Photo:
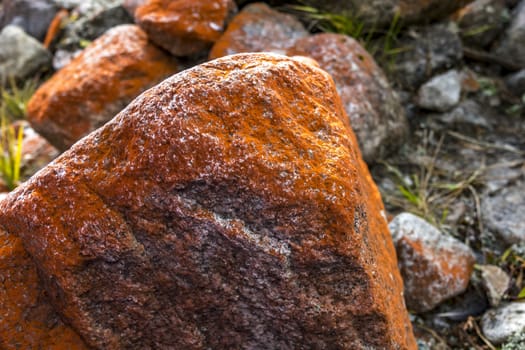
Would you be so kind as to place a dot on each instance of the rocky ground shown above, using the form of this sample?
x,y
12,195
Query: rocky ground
x,y
435,94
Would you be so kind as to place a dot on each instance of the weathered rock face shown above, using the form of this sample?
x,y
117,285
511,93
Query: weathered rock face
x,y
259,28
374,110
513,43
441,93
435,267
97,84
20,55
28,321
183,27
228,207
503,212
499,324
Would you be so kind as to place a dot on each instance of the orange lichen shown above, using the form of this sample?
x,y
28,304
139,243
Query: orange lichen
x,y
27,319
97,84
184,27
229,205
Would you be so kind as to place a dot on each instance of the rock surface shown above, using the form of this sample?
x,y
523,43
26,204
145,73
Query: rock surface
x,y
501,323
228,207
28,320
516,83
441,93
428,51
374,109
495,281
513,44
93,22
97,84
33,16
503,212
259,28
184,27
435,267
467,112
481,21
20,55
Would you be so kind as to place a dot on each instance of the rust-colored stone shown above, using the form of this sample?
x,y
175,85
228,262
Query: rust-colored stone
x,y
435,267
27,320
226,208
259,28
184,27
97,84
375,112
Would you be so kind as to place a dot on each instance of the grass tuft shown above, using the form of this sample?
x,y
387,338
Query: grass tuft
x,y
11,139
383,45
15,98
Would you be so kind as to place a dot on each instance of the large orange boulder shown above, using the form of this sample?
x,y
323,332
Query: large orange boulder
x,y
374,109
97,84
259,28
27,319
228,207
183,27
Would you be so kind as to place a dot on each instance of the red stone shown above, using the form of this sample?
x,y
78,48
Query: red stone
x,y
259,28
375,112
184,27
28,321
228,207
97,84
435,267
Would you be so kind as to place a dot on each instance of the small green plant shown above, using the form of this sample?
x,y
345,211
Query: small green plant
x,y
428,193
513,261
15,98
383,45
10,150
330,22
473,31
488,87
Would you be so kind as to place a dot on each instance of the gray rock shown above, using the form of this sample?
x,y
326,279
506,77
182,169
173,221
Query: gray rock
x,y
434,266
516,82
441,93
500,324
63,57
467,112
495,282
428,51
503,212
21,54
513,44
33,16
498,176
96,17
481,21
